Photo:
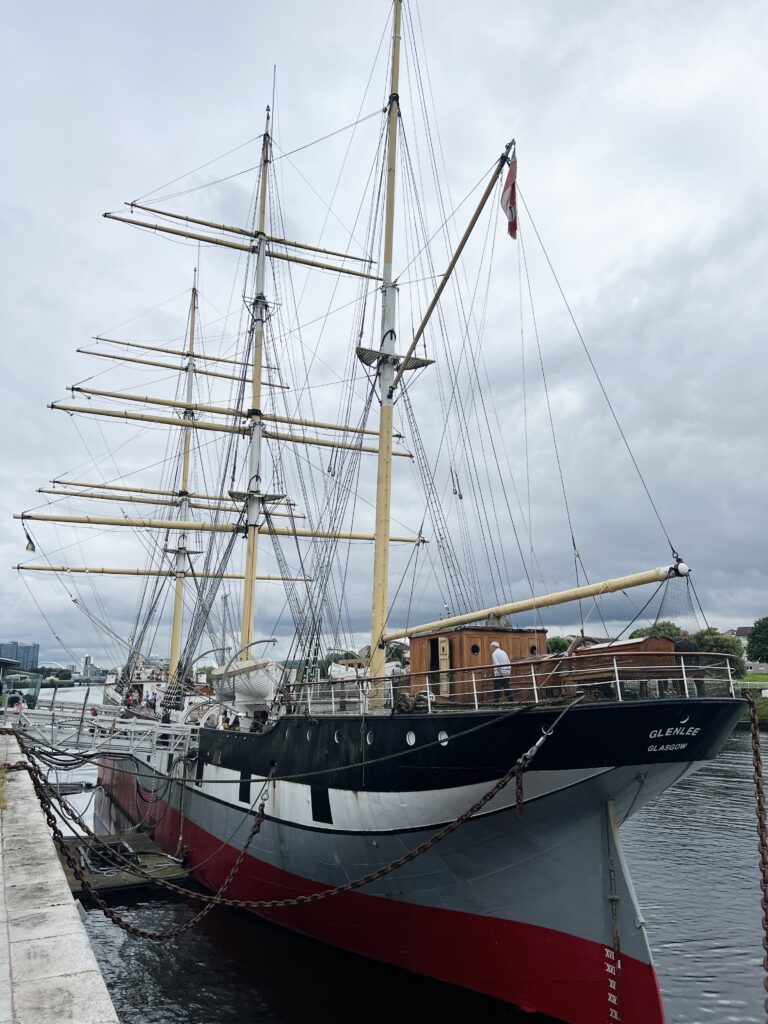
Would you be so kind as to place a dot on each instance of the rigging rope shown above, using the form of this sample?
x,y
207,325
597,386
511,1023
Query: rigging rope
x,y
454,575
598,378
576,556
245,170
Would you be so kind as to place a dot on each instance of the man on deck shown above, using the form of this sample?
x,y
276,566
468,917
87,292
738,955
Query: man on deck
x,y
685,643
684,646
501,666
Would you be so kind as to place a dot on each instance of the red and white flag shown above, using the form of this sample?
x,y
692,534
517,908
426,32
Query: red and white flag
x,y
509,197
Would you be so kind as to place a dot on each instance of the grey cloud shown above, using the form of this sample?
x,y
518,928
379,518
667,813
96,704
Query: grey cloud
x,y
641,155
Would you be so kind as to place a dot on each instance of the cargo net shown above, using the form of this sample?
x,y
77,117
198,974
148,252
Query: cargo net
x,y
677,609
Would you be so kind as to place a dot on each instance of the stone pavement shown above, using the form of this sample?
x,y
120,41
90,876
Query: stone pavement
x,y
48,973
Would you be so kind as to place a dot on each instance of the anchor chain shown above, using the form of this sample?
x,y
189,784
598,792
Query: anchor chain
x,y
762,828
44,790
218,899
41,784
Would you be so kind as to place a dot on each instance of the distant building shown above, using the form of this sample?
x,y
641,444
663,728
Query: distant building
x,y
26,654
7,667
742,634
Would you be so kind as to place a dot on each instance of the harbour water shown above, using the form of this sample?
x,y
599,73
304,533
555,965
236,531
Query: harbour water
x,y
692,854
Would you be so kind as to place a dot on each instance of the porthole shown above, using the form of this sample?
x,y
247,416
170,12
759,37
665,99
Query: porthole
x,y
475,648
337,736
410,738
369,738
309,735
443,737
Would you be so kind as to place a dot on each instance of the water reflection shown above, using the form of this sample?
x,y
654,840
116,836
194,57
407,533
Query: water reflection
x,y
694,860
236,968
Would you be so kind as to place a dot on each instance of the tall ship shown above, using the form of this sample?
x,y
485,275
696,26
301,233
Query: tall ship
x,y
383,756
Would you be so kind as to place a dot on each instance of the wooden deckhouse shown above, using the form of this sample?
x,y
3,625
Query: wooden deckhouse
x,y
457,661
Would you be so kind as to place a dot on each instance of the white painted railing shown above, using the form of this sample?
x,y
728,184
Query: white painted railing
x,y
603,676
600,677
76,728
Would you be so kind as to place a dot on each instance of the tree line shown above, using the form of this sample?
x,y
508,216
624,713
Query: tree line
x,y
757,645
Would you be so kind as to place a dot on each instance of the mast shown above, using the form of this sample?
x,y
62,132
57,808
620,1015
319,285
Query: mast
x,y
224,654
180,553
386,379
254,413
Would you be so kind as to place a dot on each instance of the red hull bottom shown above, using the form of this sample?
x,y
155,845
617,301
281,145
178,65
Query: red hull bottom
x,y
540,970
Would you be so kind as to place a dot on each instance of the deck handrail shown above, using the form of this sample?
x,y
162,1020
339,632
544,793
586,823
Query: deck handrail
x,y
107,730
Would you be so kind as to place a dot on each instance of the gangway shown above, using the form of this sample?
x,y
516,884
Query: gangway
x,y
75,728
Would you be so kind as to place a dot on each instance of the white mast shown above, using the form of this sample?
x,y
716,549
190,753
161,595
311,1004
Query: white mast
x,y
180,553
223,656
254,413
386,370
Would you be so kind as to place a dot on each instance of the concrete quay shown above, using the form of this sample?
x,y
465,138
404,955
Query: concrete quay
x,y
48,973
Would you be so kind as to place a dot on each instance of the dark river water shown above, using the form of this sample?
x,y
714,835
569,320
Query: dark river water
x,y
693,857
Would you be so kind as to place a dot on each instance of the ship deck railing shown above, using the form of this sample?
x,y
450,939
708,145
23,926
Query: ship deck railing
x,y
605,676
600,677
67,726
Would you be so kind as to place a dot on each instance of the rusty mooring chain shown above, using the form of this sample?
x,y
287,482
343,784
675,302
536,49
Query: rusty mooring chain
x,y
45,792
218,899
762,828
42,789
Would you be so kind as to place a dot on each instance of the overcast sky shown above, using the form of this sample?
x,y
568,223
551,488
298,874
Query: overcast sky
x,y
641,132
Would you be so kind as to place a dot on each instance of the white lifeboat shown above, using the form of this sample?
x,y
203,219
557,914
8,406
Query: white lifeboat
x,y
251,681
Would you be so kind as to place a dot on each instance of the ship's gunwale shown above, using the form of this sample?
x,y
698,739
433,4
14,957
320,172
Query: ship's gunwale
x,y
301,749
